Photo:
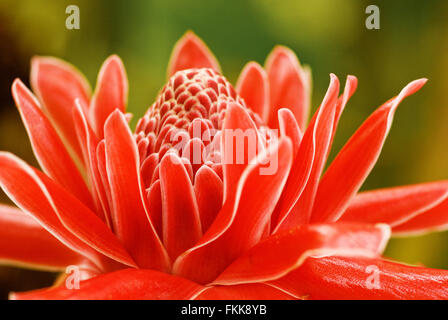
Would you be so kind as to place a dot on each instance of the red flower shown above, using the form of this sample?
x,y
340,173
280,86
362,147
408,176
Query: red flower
x,y
171,213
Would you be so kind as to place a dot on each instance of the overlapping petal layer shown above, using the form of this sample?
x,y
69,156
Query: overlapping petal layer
x,y
283,252
241,222
57,84
25,242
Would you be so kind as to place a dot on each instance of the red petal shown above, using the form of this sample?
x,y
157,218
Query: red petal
x,y
57,85
47,146
395,206
242,220
59,212
190,52
253,291
283,252
208,188
129,284
354,162
149,166
364,278
289,127
88,143
240,144
154,195
297,200
131,222
289,84
23,241
103,183
434,219
253,87
111,93
180,215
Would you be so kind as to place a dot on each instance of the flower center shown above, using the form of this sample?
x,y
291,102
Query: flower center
x,y
186,118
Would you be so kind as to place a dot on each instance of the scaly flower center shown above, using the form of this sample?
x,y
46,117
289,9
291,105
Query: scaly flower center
x,y
187,115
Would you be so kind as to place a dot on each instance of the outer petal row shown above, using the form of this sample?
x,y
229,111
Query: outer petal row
x,y
363,279
25,242
59,212
354,162
128,284
284,252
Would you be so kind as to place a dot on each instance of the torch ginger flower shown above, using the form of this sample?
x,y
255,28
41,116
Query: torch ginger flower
x,y
144,218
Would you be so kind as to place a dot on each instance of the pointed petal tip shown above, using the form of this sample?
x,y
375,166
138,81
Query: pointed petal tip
x,y
112,60
254,65
353,79
407,91
20,92
191,35
280,50
334,82
417,84
170,158
413,86
37,60
251,66
16,85
114,115
191,52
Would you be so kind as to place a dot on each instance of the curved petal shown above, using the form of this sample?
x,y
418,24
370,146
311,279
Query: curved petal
x,y
364,278
129,216
106,198
57,85
154,196
208,188
59,212
289,127
434,219
88,143
47,146
281,253
253,291
253,87
180,214
242,221
290,86
296,203
128,284
111,93
23,241
190,52
354,162
240,143
395,206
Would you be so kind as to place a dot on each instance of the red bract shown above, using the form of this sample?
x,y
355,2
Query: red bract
x,y
180,209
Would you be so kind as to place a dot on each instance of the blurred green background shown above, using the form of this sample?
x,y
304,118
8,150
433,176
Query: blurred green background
x,y
328,35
